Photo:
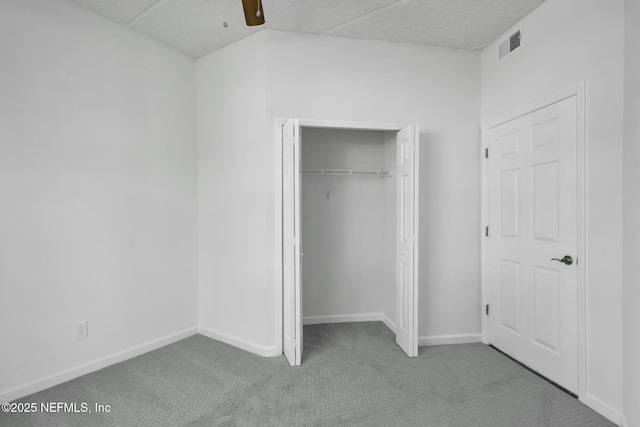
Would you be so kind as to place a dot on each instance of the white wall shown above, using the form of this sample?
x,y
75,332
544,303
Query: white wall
x,y
334,78
631,224
343,235
235,173
97,193
310,76
322,77
566,42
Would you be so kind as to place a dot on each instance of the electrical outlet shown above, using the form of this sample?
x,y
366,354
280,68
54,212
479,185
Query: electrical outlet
x,y
82,329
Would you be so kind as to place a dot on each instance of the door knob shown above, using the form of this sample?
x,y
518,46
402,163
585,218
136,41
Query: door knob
x,y
567,260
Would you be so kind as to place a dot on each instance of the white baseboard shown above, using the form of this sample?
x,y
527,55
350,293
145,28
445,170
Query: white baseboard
x,y
389,323
95,365
240,343
623,421
381,317
342,318
449,339
603,408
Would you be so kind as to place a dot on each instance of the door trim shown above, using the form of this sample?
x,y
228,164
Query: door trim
x,y
328,124
579,91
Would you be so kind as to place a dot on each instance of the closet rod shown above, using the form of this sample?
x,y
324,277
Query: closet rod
x,y
348,172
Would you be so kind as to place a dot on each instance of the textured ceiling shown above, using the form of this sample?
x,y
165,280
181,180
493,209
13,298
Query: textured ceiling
x,y
195,27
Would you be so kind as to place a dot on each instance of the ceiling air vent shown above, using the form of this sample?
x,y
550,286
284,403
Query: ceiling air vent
x,y
509,44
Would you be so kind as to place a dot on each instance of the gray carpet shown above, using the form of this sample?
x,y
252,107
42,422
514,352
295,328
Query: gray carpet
x,y
351,374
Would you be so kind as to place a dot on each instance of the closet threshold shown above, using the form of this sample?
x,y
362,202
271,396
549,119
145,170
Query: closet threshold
x,y
349,172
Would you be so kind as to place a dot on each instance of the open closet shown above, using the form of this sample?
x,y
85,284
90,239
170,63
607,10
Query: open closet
x,y
349,221
347,225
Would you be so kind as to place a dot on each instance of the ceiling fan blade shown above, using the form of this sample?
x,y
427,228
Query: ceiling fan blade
x,y
253,12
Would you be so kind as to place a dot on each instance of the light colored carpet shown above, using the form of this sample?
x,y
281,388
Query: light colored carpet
x,y
352,374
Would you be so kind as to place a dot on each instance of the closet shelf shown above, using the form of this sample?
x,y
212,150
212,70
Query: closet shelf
x,y
349,172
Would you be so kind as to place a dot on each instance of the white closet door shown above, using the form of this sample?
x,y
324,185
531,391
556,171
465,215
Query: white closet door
x,y
406,268
291,262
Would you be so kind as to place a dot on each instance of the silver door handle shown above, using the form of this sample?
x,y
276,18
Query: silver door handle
x,y
567,259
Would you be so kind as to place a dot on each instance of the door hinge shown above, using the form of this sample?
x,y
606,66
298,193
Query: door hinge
x,y
486,309
486,231
486,153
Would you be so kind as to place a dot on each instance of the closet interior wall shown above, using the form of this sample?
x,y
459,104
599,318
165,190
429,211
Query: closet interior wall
x,y
348,226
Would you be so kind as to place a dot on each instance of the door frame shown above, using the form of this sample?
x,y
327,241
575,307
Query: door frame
x,y
278,214
579,91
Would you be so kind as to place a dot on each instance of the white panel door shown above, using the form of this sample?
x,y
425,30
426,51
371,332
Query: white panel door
x,y
406,229
291,262
532,208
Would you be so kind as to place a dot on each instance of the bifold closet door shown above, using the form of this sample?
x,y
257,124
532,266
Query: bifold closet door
x,y
291,255
407,247
407,166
